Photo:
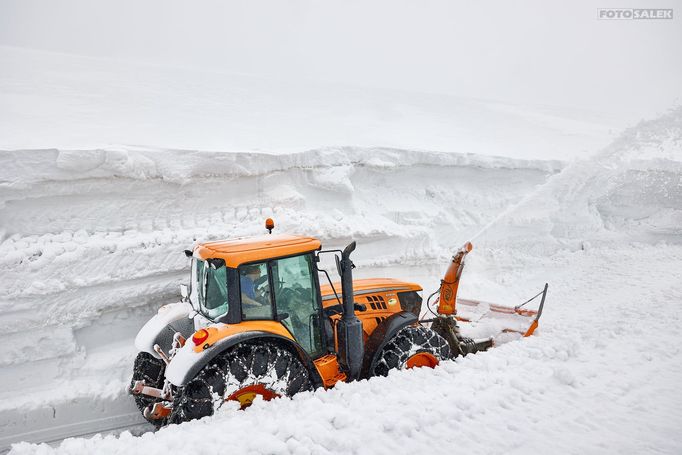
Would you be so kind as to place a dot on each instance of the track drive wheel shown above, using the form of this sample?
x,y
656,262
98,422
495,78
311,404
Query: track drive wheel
x,y
242,374
151,370
412,347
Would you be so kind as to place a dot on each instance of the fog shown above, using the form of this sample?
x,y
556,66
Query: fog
x,y
522,52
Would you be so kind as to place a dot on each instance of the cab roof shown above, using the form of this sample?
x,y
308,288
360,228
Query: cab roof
x,y
259,248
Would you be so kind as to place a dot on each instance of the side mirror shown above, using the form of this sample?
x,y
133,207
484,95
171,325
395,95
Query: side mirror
x,y
188,253
184,292
282,316
338,265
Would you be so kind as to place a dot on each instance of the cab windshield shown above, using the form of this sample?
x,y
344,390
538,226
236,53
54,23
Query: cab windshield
x,y
209,289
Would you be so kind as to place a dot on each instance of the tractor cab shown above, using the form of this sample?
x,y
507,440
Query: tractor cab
x,y
264,278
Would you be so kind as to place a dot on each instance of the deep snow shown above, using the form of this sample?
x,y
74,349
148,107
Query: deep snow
x,y
92,244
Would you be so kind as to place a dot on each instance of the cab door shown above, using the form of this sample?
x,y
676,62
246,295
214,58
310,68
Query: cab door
x,y
297,300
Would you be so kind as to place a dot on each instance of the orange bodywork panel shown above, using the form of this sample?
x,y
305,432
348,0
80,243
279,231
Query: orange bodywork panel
x,y
218,332
260,248
379,295
328,367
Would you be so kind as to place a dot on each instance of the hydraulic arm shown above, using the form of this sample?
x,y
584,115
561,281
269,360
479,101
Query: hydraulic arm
x,y
450,283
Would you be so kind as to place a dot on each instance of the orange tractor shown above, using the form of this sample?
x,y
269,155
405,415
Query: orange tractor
x,y
255,322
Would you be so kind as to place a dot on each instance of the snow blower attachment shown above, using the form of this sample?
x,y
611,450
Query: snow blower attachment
x,y
491,324
255,323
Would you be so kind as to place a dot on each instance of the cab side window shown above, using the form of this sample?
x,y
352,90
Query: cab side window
x,y
216,292
296,300
209,286
254,287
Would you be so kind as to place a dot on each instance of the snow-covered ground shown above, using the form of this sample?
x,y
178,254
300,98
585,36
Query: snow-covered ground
x,y
92,244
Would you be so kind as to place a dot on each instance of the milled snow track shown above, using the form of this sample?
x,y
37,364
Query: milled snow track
x,y
112,424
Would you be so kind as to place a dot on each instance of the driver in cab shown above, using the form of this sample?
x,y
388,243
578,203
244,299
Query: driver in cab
x,y
249,278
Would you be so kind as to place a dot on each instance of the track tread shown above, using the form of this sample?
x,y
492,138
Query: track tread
x,y
152,371
408,341
247,364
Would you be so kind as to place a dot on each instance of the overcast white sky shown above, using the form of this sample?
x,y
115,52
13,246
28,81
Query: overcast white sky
x,y
523,51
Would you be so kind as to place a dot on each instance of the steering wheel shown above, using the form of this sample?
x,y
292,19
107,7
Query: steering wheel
x,y
296,298
295,294
260,280
261,290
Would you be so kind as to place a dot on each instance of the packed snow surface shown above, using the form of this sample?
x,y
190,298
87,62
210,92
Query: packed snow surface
x,y
92,244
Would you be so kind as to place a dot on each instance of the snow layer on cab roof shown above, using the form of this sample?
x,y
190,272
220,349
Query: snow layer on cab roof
x,y
92,245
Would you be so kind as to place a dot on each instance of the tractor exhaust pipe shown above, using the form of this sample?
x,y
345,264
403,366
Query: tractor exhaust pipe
x,y
349,327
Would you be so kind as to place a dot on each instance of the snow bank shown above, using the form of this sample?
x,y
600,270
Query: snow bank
x,y
182,166
92,244
72,102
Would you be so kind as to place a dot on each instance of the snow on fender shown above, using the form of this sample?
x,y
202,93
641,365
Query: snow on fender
x,y
189,359
171,318
184,363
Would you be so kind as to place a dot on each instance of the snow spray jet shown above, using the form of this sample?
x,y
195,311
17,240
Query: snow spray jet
x,y
514,207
